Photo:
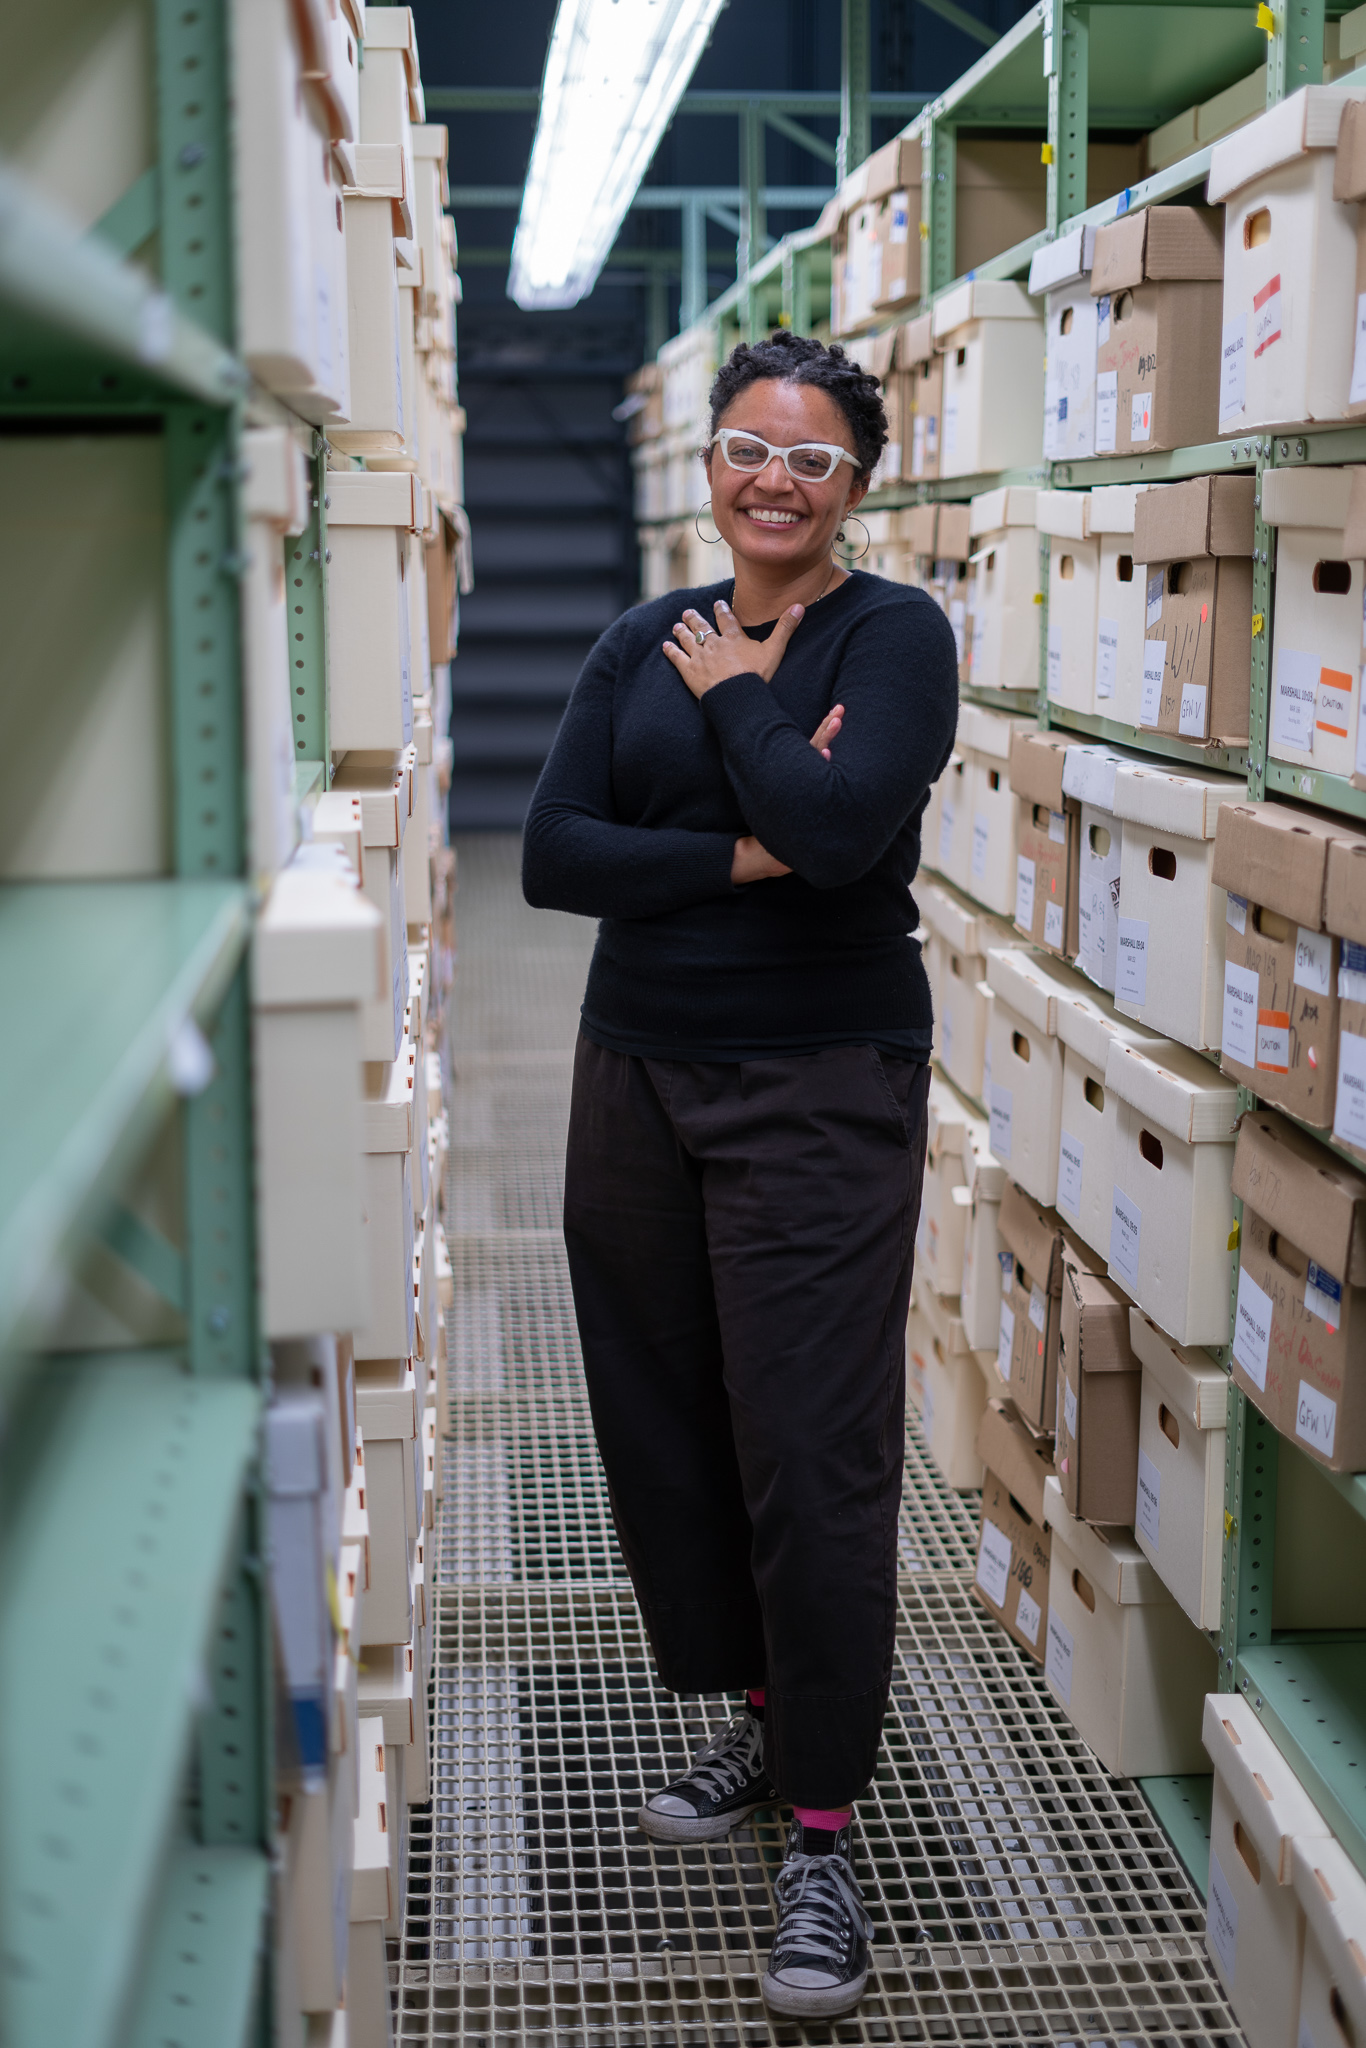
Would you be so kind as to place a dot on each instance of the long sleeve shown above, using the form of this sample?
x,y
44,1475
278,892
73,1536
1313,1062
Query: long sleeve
x,y
831,821
576,854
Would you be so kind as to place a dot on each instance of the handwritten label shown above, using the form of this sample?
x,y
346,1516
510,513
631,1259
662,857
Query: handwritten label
x,y
1313,960
1141,416
1107,656
1239,1035
1027,1617
1107,411
1294,703
1126,1231
1052,925
1349,1110
1252,1329
1149,1499
1024,893
981,840
1069,1408
1002,1104
1335,703
1038,1308
1071,1152
1194,711
1233,370
1154,663
1273,1041
993,1563
1131,961
1266,315
1316,1419
1057,1665
1221,1921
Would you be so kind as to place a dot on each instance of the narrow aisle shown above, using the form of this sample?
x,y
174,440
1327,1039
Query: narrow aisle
x,y
1018,1891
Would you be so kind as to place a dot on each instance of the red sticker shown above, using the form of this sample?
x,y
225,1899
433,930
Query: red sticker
x,y
1204,614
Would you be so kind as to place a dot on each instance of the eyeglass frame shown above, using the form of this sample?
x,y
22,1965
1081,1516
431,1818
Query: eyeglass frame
x,y
830,448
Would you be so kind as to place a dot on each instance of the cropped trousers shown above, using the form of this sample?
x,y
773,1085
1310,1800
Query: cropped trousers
x,y
740,1239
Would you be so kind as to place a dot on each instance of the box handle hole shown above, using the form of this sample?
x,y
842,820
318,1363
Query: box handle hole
x,y
1065,324
1124,569
960,357
1162,863
1095,1095
1333,579
1151,1148
1020,1045
1168,1425
1083,1590
1067,568
993,778
1342,2019
1122,307
1180,576
1257,228
1100,841
1247,1851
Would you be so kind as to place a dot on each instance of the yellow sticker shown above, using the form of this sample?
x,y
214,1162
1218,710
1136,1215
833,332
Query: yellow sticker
x,y
1266,20
1258,624
1234,1236
1046,153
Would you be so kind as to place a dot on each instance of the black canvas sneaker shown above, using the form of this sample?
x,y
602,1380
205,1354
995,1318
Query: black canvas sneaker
x,y
818,1967
723,1785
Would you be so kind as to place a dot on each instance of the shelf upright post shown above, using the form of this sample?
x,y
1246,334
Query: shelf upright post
x,y
752,211
305,563
856,128
1259,703
1067,68
942,157
694,297
1294,48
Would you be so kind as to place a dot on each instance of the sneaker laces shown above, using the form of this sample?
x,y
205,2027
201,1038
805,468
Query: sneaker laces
x,y
814,1894
732,1755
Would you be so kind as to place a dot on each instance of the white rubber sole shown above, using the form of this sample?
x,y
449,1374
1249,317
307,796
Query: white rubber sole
x,y
806,2002
673,1827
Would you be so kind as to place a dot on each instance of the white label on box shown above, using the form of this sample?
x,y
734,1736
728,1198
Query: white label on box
x,y
1024,892
918,446
1069,1407
1027,1617
993,1563
1126,1230
1107,411
1239,1037
1141,416
1252,1329
1323,1295
1358,386
1349,1111
927,1411
1007,1264
1002,1104
1054,660
1153,601
1107,654
1334,715
1313,961
1057,1664
1316,1419
1071,1152
1149,1513
1131,962
945,832
1194,700
1233,370
1273,1041
1266,315
1038,1308
950,427
1103,319
1005,1341
1052,925
981,840
1235,912
1352,973
1057,828
1222,1918
1294,701
1154,666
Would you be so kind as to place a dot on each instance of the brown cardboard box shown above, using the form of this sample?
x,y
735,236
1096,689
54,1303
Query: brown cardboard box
x,y
953,536
920,528
1012,1541
895,167
1196,539
1345,916
1349,183
1344,894
1282,1038
1027,1350
1299,1352
1050,838
924,367
1100,1385
1157,276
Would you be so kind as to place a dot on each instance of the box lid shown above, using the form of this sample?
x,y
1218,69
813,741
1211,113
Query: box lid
x,y
1161,242
1089,774
1110,1558
1186,805
1345,894
962,925
1095,1316
1062,262
946,1326
1193,1385
915,342
1308,496
1064,513
387,1412
1007,505
1112,506
894,167
989,732
950,1123
1308,119
1088,1025
1019,1459
982,298
1272,1804
1354,526
317,941
1303,1191
1276,857
1332,1892
374,497
1019,977
385,796
1174,1088
391,28
1037,760
275,486
1034,1234
1349,169
337,821
1206,515
388,1101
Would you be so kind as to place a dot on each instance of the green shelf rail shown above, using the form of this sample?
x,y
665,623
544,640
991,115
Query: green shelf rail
x,y
1212,760
1183,1806
1310,1691
203,1981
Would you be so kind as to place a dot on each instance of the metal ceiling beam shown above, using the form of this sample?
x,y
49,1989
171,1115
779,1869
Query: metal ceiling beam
x,y
980,31
664,198
525,99
782,125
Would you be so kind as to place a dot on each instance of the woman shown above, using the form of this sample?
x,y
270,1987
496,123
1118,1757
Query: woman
x,y
747,1131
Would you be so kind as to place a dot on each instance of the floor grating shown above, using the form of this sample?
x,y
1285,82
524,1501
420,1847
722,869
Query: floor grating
x,y
1018,1892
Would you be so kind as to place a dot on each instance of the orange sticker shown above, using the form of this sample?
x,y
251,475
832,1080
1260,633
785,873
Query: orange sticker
x,y
1334,702
1273,1041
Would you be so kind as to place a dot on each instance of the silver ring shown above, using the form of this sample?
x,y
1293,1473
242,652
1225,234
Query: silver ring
x,y
700,637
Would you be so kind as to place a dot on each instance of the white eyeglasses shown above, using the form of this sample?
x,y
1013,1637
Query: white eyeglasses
x,y
810,462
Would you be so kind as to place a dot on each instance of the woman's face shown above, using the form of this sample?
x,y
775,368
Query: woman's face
x,y
765,515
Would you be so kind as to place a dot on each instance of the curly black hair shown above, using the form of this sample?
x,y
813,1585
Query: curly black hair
x,y
797,359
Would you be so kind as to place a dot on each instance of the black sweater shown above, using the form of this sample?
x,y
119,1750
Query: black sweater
x,y
635,818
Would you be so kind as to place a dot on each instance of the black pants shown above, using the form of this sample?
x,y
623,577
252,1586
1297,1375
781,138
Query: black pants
x,y
740,1241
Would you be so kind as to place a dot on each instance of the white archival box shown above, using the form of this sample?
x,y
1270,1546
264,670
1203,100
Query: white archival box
x,y
315,1908
1170,947
1317,641
1179,1524
384,786
344,1733
1121,1657
946,831
960,934
388,1688
371,1892
1289,266
275,502
375,425
432,194
1173,1203
1073,585
387,1411
993,808
1027,988
1003,615
1089,1125
1061,273
370,669
979,1301
1332,1892
955,1135
315,964
953,1393
369,2020
1120,604
390,87
1254,1928
991,336
1088,776
389,1331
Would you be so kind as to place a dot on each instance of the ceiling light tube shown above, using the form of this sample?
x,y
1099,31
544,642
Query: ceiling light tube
x,y
614,74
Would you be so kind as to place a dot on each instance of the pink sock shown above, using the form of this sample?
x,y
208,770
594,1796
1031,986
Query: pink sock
x,y
831,1819
755,1695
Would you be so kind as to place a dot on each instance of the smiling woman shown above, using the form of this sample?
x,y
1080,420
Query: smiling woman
x,y
736,792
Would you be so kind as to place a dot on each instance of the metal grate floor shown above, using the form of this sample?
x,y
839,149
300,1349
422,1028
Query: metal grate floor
x,y
1018,1891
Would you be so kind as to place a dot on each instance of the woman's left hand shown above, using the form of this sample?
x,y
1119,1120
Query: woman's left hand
x,y
726,649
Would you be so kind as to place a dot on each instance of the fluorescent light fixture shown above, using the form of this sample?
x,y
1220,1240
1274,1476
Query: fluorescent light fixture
x,y
614,74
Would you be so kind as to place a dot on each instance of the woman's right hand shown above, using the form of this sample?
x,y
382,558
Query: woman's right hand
x,y
753,863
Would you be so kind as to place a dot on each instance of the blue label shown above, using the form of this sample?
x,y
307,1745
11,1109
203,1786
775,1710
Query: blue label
x,y
1324,1283
1062,410
1353,957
